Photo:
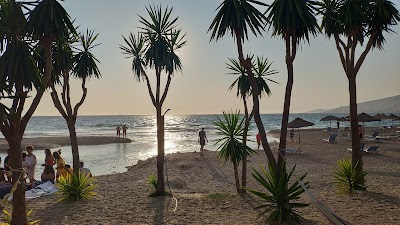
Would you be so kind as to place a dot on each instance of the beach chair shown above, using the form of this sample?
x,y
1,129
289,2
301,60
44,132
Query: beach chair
x,y
293,150
332,138
374,137
361,147
372,149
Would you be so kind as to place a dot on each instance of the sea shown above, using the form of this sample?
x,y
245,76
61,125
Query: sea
x,y
181,135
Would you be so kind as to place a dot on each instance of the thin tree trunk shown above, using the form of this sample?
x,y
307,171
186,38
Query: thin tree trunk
x,y
160,152
355,138
256,105
286,105
235,168
74,144
244,142
19,204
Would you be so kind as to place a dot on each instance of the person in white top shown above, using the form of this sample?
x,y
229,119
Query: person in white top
x,y
85,171
31,159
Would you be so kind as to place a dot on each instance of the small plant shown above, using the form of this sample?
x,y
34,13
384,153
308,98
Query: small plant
x,y
280,198
152,180
76,187
348,178
7,217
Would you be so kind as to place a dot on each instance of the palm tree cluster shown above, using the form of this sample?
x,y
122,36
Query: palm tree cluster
x,y
36,39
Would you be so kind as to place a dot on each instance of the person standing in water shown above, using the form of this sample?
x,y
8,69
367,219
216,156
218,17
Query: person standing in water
x,y
202,140
124,128
118,131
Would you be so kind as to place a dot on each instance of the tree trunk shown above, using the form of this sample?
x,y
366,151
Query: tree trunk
x,y
355,138
244,142
256,104
19,204
74,144
160,152
286,105
235,168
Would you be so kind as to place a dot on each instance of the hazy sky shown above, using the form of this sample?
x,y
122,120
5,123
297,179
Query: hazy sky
x,y
202,87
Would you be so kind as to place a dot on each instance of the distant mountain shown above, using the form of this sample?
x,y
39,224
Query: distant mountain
x,y
385,105
317,111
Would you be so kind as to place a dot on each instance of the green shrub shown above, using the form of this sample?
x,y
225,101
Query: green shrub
x,y
152,180
76,187
8,217
279,196
347,178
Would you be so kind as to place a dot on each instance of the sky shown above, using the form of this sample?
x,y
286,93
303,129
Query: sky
x,y
202,86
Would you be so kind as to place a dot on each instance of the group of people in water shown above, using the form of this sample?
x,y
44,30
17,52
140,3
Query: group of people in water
x,y
29,163
123,128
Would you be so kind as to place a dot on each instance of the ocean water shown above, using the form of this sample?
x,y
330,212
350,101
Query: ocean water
x,y
181,133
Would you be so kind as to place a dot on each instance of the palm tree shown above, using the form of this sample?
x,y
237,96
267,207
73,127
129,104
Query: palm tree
x,y
236,16
231,148
83,66
155,47
262,69
352,23
19,74
294,21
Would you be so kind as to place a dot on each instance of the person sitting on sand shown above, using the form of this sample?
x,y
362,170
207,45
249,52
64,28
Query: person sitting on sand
x,y
202,140
61,171
85,171
49,160
48,174
258,139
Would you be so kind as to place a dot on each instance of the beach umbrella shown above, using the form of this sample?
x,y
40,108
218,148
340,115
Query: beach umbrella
x,y
363,117
382,117
299,123
329,118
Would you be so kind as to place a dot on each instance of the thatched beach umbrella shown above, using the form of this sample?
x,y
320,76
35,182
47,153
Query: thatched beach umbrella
x,y
363,117
382,117
298,123
329,118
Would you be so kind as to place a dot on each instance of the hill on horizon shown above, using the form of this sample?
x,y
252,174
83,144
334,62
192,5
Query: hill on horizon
x,y
383,105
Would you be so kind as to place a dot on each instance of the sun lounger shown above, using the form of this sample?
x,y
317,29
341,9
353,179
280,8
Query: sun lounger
x,y
372,149
361,147
332,138
293,150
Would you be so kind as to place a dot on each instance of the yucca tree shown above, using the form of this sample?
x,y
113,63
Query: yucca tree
x,y
262,69
236,17
19,74
81,64
294,21
231,148
155,47
352,23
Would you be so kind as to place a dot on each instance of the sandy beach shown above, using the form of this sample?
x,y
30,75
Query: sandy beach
x,y
205,191
54,142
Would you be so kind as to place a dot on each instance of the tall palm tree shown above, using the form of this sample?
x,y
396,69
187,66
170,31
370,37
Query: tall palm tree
x,y
352,23
236,16
294,21
19,74
230,146
155,47
262,69
83,66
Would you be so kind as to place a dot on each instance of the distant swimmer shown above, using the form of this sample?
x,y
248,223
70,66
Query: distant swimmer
x,y
118,131
124,128
202,140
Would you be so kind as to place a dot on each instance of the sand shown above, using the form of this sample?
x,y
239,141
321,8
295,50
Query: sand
x,y
194,180
54,142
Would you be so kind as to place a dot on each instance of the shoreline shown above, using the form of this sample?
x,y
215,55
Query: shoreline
x,y
40,143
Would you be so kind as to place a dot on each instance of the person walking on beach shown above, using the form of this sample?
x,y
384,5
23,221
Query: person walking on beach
x,y
118,131
258,138
360,131
202,140
124,128
31,158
